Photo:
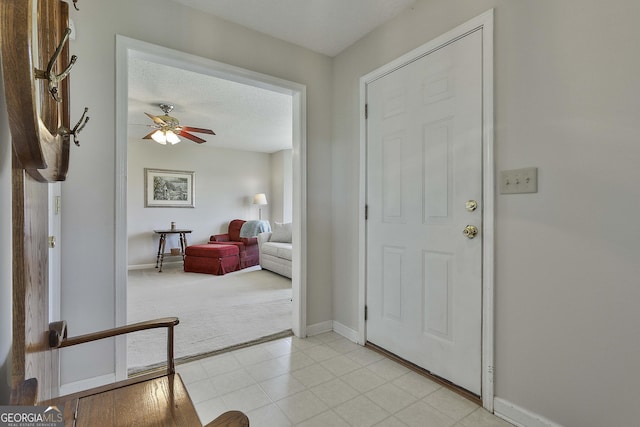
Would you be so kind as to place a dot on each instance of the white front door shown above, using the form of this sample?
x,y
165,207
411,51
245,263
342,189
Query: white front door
x,y
424,163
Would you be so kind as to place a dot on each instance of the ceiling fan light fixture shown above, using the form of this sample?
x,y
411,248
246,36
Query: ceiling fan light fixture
x,y
159,137
168,128
171,137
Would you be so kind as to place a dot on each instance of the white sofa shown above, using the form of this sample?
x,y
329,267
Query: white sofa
x,y
276,250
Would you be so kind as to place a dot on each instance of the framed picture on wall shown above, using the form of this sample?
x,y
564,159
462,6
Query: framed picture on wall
x,y
165,188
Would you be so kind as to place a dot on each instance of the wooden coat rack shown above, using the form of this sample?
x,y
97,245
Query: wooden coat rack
x,y
36,66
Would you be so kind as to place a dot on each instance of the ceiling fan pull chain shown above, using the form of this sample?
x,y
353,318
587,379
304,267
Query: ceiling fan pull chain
x,y
50,75
77,128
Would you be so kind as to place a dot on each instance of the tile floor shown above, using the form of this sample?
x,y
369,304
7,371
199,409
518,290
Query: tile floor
x,y
324,381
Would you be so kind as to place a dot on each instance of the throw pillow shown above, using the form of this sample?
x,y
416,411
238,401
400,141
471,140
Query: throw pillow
x,y
281,233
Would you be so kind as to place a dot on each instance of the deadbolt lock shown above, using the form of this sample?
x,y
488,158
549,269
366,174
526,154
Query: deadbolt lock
x,y
470,231
471,205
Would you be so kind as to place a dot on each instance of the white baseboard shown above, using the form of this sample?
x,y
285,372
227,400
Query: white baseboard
x,y
145,266
319,328
81,385
346,332
332,325
519,416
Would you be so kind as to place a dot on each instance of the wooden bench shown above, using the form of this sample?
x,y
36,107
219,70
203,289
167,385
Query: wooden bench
x,y
156,399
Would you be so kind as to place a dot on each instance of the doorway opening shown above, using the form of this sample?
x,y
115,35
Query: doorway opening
x,y
130,50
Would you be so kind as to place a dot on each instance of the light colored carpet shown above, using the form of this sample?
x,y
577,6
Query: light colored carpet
x,y
215,312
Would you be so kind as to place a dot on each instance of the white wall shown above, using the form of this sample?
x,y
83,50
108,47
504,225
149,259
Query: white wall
x,y
89,193
225,182
5,252
281,197
567,101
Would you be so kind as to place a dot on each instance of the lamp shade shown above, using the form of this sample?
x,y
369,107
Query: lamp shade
x,y
172,137
260,199
162,137
159,137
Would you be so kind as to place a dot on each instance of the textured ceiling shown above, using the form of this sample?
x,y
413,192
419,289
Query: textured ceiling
x,y
325,26
243,117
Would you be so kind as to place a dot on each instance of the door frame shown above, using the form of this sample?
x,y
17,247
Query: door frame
x,y
127,47
54,192
484,23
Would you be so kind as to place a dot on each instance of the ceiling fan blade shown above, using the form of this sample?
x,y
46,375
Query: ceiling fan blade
x,y
156,119
198,130
192,137
148,136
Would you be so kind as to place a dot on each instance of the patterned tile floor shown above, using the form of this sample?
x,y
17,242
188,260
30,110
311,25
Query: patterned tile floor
x,y
324,381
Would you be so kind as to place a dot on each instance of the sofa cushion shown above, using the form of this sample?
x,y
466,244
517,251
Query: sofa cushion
x,y
276,249
281,233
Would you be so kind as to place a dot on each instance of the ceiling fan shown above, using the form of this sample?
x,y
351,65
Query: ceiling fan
x,y
167,128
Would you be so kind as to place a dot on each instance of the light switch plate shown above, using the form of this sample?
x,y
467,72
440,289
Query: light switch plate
x,y
519,181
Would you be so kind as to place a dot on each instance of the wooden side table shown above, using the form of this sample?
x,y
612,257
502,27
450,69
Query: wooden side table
x,y
163,238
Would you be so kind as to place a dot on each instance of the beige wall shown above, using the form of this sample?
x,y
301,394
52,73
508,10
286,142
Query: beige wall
x,y
88,195
567,101
280,199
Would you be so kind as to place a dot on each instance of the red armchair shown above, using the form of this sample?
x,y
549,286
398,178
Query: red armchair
x,y
247,246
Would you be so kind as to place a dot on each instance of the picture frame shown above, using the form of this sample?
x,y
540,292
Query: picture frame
x,y
164,188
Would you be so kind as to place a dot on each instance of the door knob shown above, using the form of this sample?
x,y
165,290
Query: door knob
x,y
470,231
471,205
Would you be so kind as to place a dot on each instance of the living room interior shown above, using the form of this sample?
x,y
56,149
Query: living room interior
x,y
566,92
249,154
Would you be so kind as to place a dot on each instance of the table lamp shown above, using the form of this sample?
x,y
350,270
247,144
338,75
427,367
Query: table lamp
x,y
260,199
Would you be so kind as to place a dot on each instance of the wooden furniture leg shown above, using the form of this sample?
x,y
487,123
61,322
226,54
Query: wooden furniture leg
x,y
183,244
161,245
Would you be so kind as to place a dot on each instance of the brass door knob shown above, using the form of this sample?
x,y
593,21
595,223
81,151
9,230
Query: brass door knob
x,y
471,205
470,231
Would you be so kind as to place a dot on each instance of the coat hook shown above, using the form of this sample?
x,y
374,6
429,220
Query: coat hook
x,y
49,75
77,128
75,5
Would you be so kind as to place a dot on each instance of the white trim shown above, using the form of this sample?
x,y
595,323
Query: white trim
x,y
337,327
320,328
346,332
145,266
519,416
55,226
362,223
126,47
484,23
299,159
86,384
54,194
488,215
121,245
